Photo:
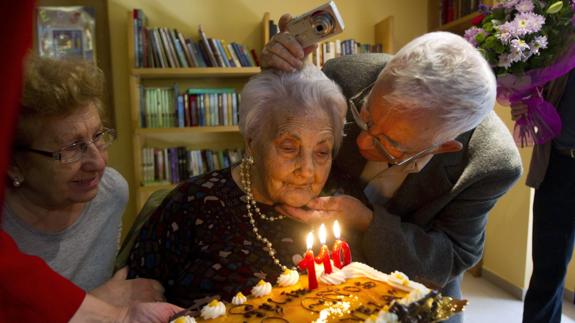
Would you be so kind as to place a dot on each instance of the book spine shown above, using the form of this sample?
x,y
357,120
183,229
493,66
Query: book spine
x,y
178,47
224,47
185,49
167,49
234,56
216,52
206,47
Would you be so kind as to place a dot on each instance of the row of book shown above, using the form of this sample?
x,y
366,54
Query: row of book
x,y
166,107
166,47
332,49
450,10
176,164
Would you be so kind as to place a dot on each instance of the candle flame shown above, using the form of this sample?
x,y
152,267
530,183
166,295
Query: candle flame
x,y
309,240
336,229
322,234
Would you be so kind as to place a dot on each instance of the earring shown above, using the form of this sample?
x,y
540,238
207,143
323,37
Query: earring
x,y
16,182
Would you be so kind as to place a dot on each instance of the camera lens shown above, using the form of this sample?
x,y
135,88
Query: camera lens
x,y
322,23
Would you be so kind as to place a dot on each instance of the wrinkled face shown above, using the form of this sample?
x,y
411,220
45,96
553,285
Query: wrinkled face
x,y
402,135
293,165
49,182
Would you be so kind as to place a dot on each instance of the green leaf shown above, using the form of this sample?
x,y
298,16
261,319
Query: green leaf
x,y
491,42
554,8
488,27
479,38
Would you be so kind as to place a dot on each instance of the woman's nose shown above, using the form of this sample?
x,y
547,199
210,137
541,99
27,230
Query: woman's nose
x,y
94,158
306,165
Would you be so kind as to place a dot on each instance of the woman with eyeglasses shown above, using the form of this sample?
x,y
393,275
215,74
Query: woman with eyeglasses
x,y
63,204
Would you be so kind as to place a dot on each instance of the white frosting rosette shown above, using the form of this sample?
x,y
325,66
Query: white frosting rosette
x,y
239,299
336,277
184,319
383,317
288,278
212,310
262,289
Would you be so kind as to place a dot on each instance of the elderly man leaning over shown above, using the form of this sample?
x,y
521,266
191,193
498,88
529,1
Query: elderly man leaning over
x,y
431,154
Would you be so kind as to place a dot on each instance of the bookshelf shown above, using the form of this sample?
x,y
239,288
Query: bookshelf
x,y
198,137
460,21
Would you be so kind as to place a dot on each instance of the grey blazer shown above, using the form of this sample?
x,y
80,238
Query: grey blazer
x,y
433,228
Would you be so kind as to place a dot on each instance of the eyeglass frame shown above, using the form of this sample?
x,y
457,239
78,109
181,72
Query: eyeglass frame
x,y
392,161
57,155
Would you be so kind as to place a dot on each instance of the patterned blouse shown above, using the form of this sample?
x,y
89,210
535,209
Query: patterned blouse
x,y
199,243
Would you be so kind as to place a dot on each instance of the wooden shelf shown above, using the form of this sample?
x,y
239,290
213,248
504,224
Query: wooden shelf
x,y
195,72
459,26
187,130
151,188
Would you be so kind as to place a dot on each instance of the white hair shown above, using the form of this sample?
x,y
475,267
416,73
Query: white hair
x,y
301,93
442,72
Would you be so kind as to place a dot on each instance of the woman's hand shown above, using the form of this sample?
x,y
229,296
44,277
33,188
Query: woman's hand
x,y
347,209
518,110
94,309
283,51
120,291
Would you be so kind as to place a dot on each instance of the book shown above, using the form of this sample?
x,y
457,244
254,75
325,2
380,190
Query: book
x,y
205,46
181,55
217,53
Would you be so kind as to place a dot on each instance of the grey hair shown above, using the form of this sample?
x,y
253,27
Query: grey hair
x,y
301,93
442,72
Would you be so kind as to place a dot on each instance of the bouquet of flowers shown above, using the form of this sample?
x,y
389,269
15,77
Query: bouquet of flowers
x,y
528,43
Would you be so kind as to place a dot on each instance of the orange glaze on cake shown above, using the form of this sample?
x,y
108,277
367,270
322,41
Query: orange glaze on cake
x,y
354,300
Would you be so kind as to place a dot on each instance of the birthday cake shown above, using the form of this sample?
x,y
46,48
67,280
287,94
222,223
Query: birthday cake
x,y
356,292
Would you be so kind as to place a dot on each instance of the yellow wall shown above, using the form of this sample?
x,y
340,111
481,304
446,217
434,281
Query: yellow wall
x,y
235,20
507,248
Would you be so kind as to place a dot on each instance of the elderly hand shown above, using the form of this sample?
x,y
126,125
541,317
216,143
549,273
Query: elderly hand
x,y
120,291
94,309
518,110
347,209
283,51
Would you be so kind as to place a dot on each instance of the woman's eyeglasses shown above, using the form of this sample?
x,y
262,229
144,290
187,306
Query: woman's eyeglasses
x,y
74,152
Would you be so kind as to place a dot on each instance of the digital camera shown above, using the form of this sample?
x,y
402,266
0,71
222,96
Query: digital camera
x,y
317,24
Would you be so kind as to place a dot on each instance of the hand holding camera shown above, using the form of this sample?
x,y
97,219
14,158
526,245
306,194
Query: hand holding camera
x,y
299,36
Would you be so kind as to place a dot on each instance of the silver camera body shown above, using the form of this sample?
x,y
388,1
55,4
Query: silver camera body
x,y
317,24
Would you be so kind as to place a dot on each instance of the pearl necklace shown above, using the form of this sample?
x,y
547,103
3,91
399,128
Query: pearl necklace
x,y
251,203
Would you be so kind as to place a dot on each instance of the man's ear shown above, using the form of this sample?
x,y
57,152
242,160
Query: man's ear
x,y
450,146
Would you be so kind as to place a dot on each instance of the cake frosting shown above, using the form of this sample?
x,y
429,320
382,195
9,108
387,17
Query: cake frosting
x,y
288,278
261,289
213,310
356,292
239,299
184,319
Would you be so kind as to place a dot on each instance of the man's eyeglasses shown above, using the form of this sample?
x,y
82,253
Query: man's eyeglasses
x,y
74,152
359,100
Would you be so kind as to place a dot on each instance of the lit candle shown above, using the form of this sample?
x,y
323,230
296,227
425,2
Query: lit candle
x,y
308,263
339,247
323,256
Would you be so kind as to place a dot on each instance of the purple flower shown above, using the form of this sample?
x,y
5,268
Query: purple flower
x,y
505,32
524,6
485,10
540,42
504,61
471,35
520,50
506,4
527,23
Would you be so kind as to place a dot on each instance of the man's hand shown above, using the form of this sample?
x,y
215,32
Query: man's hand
x,y
120,291
283,51
518,110
347,209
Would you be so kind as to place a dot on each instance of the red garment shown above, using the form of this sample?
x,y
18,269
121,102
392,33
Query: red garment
x,y
29,290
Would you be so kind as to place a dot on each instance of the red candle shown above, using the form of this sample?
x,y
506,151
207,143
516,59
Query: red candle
x,y
340,247
323,256
308,263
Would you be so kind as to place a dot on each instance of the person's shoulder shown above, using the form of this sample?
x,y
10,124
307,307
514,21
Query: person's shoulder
x,y
214,183
493,148
114,184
